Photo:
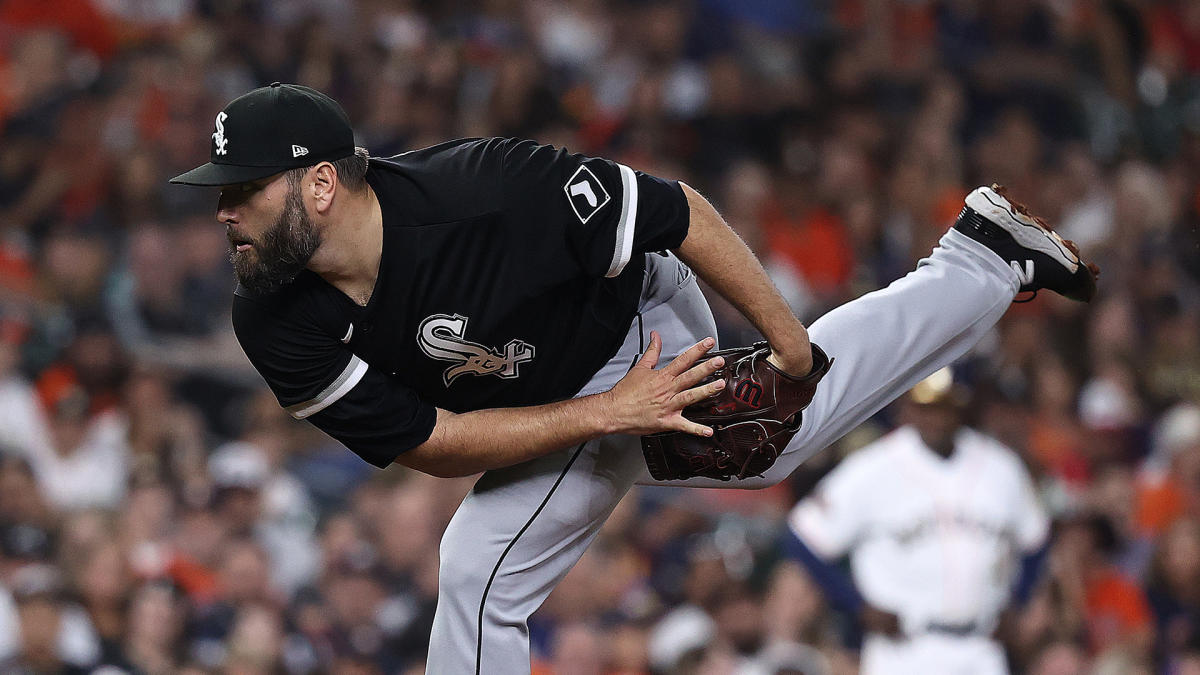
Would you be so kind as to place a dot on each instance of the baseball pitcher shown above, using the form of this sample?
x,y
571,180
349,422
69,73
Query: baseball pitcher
x,y
498,306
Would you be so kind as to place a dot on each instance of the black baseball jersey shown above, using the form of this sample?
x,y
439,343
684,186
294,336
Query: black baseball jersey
x,y
511,273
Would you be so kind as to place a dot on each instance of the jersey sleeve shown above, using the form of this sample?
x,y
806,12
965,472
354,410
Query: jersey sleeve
x,y
831,520
316,378
608,211
1032,526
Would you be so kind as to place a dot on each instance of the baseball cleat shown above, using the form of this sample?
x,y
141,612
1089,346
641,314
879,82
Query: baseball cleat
x,y
1041,258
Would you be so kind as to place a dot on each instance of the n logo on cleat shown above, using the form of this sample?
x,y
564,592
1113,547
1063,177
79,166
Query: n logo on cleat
x,y
1024,274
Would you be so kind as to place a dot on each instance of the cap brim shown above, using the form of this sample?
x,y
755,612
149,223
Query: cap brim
x,y
214,175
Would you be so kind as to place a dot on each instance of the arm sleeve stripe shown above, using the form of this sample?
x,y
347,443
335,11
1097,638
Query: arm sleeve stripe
x,y
338,388
625,226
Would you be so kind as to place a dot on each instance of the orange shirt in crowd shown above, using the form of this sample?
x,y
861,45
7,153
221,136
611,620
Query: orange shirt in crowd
x,y
197,581
1158,505
816,244
1116,609
1058,450
79,19
544,668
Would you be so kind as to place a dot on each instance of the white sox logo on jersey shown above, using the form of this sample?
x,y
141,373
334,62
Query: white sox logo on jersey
x,y
441,337
219,135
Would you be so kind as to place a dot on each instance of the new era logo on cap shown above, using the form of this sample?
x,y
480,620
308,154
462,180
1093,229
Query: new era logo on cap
x,y
299,151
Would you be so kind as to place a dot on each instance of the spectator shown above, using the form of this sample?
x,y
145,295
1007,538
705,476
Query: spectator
x,y
253,500
1170,477
156,624
1173,590
1113,609
55,636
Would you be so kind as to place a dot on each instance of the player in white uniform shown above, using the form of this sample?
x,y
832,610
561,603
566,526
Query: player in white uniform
x,y
936,519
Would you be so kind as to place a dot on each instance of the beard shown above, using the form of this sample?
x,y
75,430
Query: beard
x,y
281,253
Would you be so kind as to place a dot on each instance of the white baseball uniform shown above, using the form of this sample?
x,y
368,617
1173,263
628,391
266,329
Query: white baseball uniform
x,y
935,540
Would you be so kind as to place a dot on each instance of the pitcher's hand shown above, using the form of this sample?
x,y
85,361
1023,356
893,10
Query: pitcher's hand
x,y
648,401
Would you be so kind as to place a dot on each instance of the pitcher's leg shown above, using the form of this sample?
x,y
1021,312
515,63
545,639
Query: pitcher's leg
x,y
886,341
511,541
521,529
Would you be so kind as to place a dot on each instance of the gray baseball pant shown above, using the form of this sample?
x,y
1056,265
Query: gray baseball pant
x,y
522,528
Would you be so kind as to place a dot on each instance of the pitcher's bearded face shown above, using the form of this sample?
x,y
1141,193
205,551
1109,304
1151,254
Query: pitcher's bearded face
x,y
270,259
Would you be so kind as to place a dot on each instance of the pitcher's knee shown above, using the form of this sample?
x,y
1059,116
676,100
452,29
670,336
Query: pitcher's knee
x,y
473,581
459,571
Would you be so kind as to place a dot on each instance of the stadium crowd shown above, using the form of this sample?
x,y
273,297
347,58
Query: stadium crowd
x,y
160,514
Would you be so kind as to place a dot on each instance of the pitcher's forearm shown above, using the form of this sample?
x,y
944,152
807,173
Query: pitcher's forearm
x,y
719,256
481,440
645,401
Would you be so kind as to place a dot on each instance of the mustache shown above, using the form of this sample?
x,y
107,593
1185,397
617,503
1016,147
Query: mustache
x,y
235,238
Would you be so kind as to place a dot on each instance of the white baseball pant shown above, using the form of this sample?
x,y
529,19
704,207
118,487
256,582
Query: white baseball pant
x,y
932,653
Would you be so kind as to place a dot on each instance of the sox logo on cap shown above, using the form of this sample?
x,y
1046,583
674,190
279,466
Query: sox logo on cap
x,y
219,135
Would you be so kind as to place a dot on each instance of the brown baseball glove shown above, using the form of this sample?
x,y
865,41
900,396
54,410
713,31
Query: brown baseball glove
x,y
752,418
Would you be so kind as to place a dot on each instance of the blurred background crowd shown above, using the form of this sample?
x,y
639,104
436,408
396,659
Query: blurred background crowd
x,y
160,514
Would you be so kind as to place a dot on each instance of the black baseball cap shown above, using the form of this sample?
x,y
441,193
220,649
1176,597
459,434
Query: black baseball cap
x,y
270,130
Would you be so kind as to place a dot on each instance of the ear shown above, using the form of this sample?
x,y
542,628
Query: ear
x,y
324,186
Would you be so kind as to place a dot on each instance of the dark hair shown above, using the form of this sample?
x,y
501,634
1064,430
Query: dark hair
x,y
351,171
1099,527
